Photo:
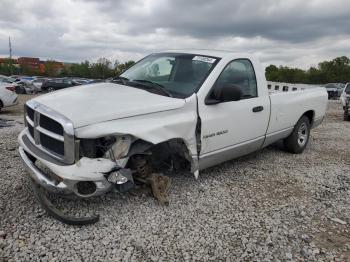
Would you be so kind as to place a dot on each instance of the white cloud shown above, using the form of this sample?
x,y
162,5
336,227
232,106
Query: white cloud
x,y
291,32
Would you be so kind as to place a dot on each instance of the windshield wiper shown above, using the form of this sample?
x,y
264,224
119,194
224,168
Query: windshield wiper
x,y
121,79
154,85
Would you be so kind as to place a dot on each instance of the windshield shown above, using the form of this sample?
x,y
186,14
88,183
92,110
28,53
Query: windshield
x,y
179,74
329,86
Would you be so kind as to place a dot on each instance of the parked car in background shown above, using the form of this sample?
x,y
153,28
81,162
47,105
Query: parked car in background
x,y
341,88
6,79
37,83
334,89
14,76
57,83
20,87
27,87
81,81
8,96
94,81
23,87
347,109
27,78
345,94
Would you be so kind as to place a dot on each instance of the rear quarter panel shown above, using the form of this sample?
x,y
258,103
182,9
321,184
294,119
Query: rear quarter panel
x,y
288,107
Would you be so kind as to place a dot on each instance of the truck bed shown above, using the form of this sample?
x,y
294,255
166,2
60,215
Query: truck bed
x,y
287,87
287,106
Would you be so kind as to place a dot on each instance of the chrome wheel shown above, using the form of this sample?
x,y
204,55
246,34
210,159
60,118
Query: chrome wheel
x,y
302,135
50,89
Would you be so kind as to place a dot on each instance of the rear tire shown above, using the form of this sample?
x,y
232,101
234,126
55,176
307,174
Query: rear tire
x,y
298,140
1,105
50,89
346,116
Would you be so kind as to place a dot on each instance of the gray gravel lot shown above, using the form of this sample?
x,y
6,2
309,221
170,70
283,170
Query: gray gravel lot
x,y
270,205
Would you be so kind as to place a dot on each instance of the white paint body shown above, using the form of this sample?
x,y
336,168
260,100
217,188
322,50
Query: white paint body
x,y
105,109
7,97
345,94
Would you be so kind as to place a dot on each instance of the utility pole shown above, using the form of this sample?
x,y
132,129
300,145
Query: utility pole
x,y
10,49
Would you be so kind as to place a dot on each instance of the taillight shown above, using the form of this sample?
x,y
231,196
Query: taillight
x,y
11,88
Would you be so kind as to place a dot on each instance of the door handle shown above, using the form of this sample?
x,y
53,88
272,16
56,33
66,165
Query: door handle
x,y
258,109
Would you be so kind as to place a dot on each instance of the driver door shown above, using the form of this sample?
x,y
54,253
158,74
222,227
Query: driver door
x,y
234,128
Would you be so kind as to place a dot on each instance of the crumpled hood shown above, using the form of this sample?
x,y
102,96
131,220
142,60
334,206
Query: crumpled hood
x,y
96,103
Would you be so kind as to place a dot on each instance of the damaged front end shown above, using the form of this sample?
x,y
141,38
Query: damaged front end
x,y
113,163
62,161
87,177
140,162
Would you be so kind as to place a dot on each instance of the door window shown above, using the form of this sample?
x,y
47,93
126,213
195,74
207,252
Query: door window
x,y
66,81
240,73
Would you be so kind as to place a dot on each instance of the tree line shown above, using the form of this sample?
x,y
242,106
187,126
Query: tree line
x,y
334,71
101,69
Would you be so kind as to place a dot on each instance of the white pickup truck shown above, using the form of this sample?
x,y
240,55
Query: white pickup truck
x,y
172,111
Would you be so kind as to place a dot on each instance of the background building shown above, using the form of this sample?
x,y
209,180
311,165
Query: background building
x,y
29,63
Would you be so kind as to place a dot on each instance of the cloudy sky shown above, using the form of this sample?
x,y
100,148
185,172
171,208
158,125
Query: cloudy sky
x,y
283,32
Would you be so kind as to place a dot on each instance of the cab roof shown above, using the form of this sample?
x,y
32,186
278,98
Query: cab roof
x,y
211,52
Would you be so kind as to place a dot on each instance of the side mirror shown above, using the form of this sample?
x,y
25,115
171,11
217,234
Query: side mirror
x,y
224,93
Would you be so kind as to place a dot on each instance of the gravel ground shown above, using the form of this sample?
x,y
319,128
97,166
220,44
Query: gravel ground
x,y
270,205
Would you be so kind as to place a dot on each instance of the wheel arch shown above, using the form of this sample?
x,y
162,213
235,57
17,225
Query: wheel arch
x,y
169,147
310,114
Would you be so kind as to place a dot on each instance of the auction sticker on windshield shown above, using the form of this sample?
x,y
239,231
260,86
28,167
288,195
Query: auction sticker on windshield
x,y
204,59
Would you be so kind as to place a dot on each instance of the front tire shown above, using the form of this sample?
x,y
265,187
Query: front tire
x,y
298,140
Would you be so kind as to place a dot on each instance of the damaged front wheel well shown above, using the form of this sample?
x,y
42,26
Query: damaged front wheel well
x,y
169,156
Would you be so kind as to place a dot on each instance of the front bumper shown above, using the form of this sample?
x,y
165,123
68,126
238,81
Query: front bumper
x,y
64,179
40,178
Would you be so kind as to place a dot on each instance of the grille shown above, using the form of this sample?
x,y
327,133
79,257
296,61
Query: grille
x,y
50,132
30,113
52,144
31,131
51,125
